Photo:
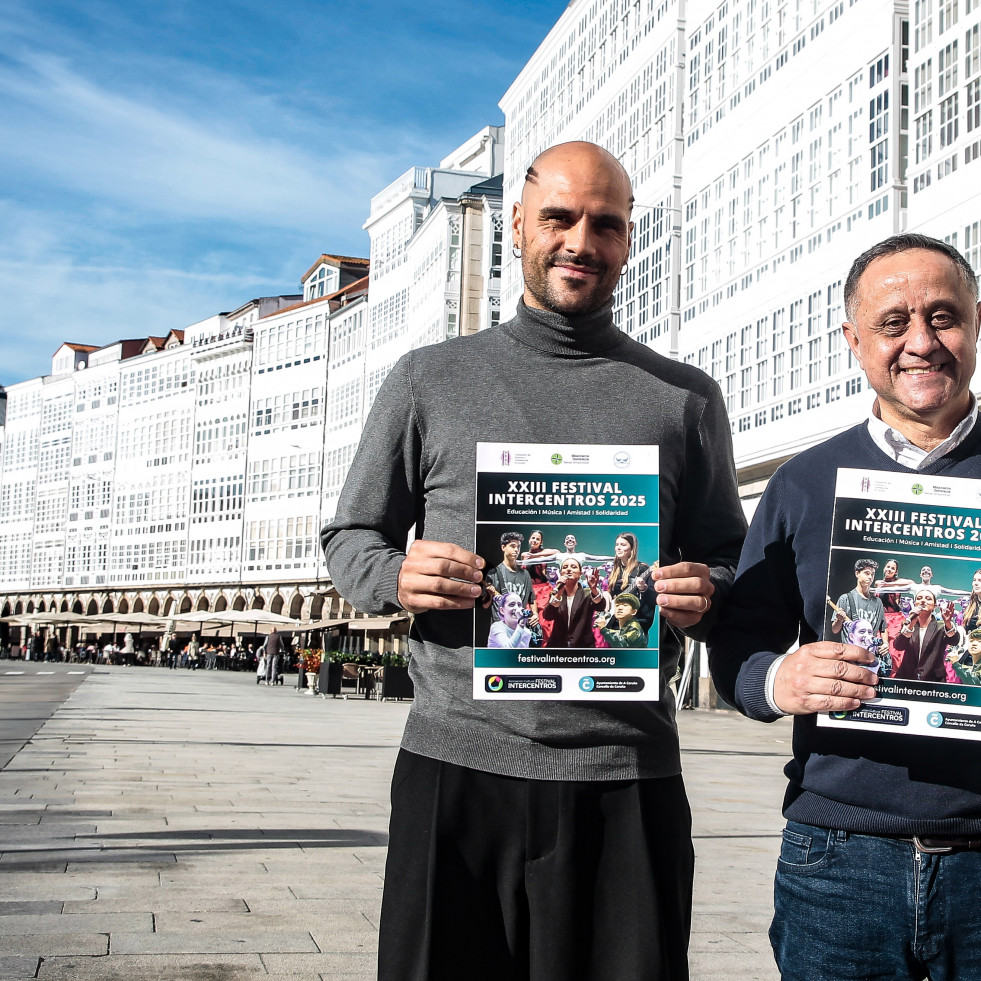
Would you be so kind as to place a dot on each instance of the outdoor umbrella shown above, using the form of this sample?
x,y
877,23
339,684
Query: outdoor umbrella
x,y
241,619
124,619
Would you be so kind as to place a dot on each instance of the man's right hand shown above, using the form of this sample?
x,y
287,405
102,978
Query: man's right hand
x,y
429,574
824,677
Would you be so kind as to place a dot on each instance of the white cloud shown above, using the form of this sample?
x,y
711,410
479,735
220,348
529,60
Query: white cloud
x,y
159,160
52,296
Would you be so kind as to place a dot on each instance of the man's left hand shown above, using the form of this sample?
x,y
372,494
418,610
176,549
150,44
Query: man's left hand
x,y
684,592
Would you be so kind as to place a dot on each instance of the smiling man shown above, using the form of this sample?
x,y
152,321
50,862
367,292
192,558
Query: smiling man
x,y
536,839
881,855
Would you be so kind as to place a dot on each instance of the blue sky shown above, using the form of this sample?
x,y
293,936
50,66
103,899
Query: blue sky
x,y
163,161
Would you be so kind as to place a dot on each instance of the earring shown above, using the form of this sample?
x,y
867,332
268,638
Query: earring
x,y
516,252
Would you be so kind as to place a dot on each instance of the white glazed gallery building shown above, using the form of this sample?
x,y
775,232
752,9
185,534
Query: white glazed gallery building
x,y
194,472
769,142
166,475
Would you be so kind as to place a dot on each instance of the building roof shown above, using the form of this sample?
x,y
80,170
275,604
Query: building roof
x,y
493,185
336,260
84,348
129,347
258,302
357,286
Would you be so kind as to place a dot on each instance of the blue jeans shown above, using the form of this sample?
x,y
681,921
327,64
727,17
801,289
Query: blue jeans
x,y
850,906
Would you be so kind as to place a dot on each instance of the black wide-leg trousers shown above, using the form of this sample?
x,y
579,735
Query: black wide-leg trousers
x,y
494,878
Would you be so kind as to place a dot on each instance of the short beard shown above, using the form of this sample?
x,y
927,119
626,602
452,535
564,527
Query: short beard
x,y
538,284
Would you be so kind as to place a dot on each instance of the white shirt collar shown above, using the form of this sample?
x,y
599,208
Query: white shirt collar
x,y
896,446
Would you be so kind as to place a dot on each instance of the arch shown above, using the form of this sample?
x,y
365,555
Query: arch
x,y
41,607
317,608
123,606
64,606
30,606
258,603
107,606
296,607
239,603
77,606
92,608
277,604
185,606
6,609
18,608
154,606
220,603
203,604
138,604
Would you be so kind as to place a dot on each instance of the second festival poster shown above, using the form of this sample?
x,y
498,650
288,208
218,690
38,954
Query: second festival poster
x,y
905,582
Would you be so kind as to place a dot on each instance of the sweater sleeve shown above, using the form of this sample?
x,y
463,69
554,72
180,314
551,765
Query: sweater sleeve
x,y
365,543
711,524
762,617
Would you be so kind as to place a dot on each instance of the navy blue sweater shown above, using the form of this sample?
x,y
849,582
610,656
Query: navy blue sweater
x,y
859,781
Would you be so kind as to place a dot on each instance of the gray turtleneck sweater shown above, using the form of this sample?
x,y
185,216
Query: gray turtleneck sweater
x,y
538,378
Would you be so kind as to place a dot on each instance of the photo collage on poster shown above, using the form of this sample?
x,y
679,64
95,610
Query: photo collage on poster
x,y
904,582
570,537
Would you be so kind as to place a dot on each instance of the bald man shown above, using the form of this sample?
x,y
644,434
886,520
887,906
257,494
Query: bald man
x,y
528,839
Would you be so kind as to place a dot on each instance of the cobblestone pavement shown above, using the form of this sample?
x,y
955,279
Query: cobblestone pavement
x,y
192,826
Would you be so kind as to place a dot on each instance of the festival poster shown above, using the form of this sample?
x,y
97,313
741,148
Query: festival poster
x,y
558,525
923,535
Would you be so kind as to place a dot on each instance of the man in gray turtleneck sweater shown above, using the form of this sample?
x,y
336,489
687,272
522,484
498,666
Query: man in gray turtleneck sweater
x,y
536,840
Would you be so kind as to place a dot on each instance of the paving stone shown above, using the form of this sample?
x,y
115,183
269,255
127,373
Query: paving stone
x,y
77,923
247,942
326,908
29,907
38,834
330,965
54,814
55,847
742,964
17,967
55,944
172,967
341,921
356,886
21,887
157,900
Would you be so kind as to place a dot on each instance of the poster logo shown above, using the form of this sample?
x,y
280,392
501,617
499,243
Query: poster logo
x,y
622,460
917,488
866,485
556,458
505,458
587,684
881,714
523,684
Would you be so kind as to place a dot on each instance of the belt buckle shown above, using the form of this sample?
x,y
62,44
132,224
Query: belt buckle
x,y
925,849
